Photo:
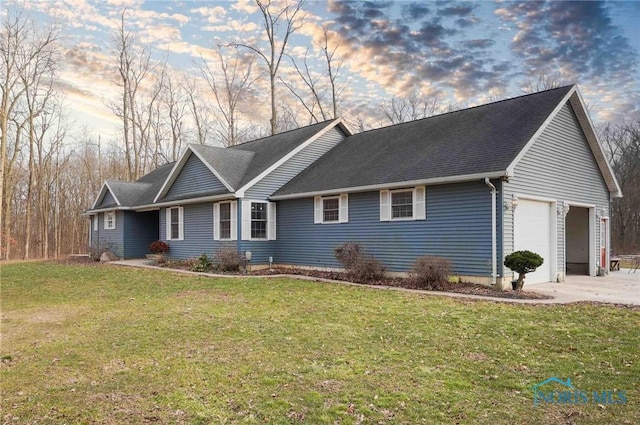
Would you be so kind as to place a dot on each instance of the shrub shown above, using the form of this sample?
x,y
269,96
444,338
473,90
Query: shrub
x,y
203,264
348,254
431,273
523,262
228,259
359,267
159,247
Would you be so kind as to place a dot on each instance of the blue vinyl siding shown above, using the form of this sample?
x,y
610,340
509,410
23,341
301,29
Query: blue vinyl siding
x,y
296,164
195,178
260,251
457,227
107,200
198,233
140,229
559,165
109,238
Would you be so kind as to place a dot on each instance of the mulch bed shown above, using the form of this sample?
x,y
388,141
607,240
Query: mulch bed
x,y
461,288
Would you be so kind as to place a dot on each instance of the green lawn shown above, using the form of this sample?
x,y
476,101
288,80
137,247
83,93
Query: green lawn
x,y
114,345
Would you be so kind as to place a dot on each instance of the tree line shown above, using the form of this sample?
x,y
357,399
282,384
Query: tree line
x,y
50,171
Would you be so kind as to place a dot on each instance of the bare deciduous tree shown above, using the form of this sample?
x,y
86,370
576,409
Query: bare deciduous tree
x,y
229,83
412,107
543,82
134,65
28,56
622,143
290,18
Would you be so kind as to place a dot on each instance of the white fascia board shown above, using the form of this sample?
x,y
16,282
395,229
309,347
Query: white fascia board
x,y
91,212
103,191
213,170
594,142
344,127
394,185
545,124
155,206
243,189
173,174
101,194
178,167
113,193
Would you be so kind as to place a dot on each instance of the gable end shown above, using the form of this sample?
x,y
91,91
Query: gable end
x,y
194,178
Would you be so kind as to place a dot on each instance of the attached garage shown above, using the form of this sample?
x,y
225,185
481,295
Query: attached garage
x,y
534,226
578,246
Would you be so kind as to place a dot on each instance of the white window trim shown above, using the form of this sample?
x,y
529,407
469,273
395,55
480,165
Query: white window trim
x,y
343,209
180,224
234,221
246,220
94,218
419,199
106,220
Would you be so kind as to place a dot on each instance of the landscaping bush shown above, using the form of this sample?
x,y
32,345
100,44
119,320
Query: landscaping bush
x,y
348,254
228,259
203,264
431,273
360,267
523,262
159,247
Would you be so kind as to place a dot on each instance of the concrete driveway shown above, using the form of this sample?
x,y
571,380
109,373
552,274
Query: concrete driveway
x,y
619,287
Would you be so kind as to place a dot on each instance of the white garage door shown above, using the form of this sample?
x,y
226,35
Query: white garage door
x,y
533,233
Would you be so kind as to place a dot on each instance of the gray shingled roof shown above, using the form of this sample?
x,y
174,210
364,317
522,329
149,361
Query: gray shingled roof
x,y
140,192
155,179
268,150
478,140
127,193
230,163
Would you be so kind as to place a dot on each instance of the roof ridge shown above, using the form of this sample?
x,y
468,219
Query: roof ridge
x,y
284,132
467,109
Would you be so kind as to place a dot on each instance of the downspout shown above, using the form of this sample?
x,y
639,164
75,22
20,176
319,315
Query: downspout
x,y
494,243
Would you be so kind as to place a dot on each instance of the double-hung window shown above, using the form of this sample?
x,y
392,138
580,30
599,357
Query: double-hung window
x,y
258,220
224,220
95,222
331,209
403,204
110,220
175,223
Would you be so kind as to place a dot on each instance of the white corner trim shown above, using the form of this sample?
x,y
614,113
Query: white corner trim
x,y
240,192
545,124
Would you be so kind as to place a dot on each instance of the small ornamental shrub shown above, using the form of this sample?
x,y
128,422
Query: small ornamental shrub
x,y
203,264
228,259
348,254
360,267
431,273
523,262
159,247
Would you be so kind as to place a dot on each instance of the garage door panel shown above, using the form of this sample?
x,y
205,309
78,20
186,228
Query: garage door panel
x,y
533,232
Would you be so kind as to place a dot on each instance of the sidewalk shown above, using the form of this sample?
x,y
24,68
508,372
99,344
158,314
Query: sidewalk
x,y
618,287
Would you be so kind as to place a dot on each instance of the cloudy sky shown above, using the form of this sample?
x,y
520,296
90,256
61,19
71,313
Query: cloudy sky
x,y
460,53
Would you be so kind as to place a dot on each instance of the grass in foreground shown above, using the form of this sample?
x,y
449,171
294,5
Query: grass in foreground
x,y
113,345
